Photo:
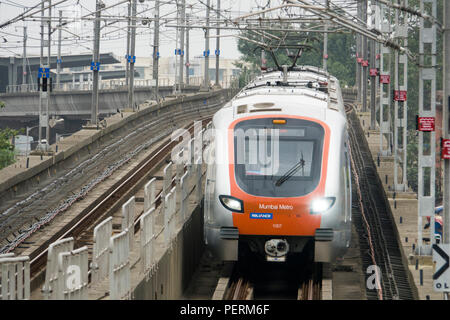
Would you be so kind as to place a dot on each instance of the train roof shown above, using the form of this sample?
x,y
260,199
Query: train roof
x,y
317,89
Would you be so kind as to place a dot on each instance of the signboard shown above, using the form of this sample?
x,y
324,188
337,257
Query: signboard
x,y
44,73
425,123
441,276
385,78
373,72
445,149
400,95
365,63
359,60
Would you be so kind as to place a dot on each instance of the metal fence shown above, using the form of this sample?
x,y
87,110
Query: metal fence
x,y
184,194
73,275
128,213
15,278
100,255
167,179
119,270
149,195
51,272
170,202
147,222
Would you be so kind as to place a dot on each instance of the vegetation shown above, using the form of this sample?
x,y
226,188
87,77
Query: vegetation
x,y
6,147
341,53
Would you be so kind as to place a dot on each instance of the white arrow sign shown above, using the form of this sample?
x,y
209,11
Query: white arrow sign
x,y
441,277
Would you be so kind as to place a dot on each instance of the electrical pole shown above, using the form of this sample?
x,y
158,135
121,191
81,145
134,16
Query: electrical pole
x,y
24,58
446,120
400,118
183,21
47,128
427,108
132,56
127,63
325,41
156,50
385,85
358,56
373,85
218,45
177,49
187,50
42,94
365,58
263,52
44,77
58,60
206,52
95,65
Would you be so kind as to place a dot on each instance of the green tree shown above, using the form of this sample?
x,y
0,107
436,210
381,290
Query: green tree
x,y
6,147
341,54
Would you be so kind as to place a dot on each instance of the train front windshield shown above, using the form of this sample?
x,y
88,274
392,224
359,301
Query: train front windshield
x,y
278,158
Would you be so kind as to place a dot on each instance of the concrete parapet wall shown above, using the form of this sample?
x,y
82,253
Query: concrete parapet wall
x,y
78,103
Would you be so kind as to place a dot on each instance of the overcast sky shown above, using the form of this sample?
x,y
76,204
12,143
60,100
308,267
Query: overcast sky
x,y
78,35
114,37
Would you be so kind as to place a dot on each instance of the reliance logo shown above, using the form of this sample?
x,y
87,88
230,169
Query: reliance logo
x,y
266,216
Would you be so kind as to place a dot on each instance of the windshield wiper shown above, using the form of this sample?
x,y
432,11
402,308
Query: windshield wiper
x,y
290,172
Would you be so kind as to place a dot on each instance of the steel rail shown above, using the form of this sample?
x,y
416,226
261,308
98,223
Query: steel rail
x,y
381,235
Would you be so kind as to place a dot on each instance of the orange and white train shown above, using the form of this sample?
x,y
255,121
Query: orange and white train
x,y
279,181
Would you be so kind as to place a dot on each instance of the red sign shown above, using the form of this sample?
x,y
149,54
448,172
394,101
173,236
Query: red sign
x,y
359,60
373,72
445,153
385,78
378,57
365,63
426,123
325,56
399,95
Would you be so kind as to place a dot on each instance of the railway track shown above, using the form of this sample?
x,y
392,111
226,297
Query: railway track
x,y
81,228
311,287
306,284
378,236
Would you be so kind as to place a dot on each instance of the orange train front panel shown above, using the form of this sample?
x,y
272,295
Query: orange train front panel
x,y
287,216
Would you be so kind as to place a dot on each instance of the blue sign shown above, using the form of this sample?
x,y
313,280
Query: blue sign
x,y
95,66
206,53
179,52
264,216
217,52
44,73
131,59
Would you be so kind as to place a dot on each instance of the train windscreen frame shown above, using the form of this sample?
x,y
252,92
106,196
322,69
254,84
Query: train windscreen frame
x,y
278,160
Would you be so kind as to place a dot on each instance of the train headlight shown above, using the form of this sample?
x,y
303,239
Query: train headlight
x,y
232,203
321,205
